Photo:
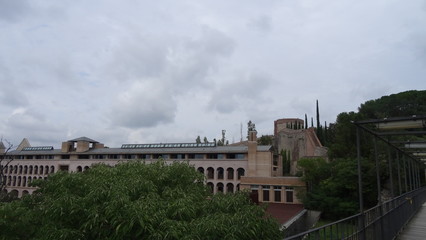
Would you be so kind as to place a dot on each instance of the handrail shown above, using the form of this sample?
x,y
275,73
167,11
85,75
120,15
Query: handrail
x,y
396,213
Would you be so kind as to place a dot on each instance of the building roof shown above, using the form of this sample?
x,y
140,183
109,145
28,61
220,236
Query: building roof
x,y
84,139
24,143
217,149
283,212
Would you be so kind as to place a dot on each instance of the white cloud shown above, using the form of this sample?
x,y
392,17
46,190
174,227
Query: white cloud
x,y
171,70
144,104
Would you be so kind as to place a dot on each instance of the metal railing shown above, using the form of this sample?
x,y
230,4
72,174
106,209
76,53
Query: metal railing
x,y
381,222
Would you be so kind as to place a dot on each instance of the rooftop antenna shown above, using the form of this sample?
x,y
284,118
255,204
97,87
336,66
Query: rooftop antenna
x,y
241,131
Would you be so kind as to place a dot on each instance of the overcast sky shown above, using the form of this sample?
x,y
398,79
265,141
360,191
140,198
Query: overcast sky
x,y
167,71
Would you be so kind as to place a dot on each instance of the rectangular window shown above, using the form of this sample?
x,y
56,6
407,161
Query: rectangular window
x,y
277,194
212,156
65,156
235,155
289,195
177,156
265,194
196,156
63,168
83,156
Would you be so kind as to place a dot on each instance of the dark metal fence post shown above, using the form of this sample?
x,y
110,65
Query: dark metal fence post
x,y
379,189
410,177
399,173
361,221
405,173
390,172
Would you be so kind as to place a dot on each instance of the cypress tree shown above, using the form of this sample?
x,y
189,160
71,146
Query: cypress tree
x,y
306,121
318,118
325,133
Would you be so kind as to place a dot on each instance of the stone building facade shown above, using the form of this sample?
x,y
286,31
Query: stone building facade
x,y
300,142
226,168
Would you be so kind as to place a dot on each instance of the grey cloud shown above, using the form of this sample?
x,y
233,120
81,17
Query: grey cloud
x,y
261,24
33,125
11,11
182,62
10,94
143,105
138,57
241,93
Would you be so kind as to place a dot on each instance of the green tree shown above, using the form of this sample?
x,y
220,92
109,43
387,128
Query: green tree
x,y
5,160
332,186
133,200
286,161
266,140
198,139
306,121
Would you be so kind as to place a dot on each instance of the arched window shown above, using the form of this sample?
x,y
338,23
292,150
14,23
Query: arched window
x,y
210,185
52,169
15,169
24,182
10,169
35,169
201,170
86,168
14,193
31,169
46,169
20,169
25,192
220,173
230,173
29,181
26,169
210,173
19,181
79,169
229,188
240,172
219,187
41,170
9,181
14,181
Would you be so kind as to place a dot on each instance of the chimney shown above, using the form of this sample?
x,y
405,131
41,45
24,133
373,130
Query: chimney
x,y
252,136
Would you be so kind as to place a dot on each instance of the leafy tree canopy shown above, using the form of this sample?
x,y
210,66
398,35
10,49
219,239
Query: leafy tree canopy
x,y
342,134
266,140
133,200
332,186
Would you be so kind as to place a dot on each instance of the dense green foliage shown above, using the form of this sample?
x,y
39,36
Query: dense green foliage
x,y
133,200
333,185
266,140
285,155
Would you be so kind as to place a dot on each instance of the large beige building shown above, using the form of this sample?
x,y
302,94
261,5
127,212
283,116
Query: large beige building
x,y
226,168
298,141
